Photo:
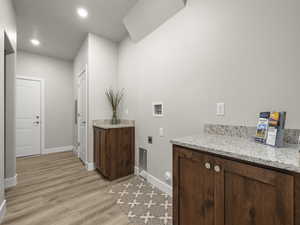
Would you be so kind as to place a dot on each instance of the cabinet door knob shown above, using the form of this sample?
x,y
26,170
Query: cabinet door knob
x,y
217,168
207,165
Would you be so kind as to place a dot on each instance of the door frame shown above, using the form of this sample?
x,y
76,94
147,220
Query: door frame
x,y
42,119
83,70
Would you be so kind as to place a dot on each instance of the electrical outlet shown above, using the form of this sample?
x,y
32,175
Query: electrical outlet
x,y
150,140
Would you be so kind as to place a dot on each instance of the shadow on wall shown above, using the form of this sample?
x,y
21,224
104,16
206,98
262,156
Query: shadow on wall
x,y
146,16
9,116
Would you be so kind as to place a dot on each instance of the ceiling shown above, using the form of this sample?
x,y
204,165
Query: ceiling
x,y
61,32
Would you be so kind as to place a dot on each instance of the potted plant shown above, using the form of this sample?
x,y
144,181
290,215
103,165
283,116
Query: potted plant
x,y
114,99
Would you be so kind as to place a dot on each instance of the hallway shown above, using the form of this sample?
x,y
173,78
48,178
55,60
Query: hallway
x,y
57,189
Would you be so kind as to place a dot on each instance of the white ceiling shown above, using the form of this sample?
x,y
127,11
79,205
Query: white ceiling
x,y
61,32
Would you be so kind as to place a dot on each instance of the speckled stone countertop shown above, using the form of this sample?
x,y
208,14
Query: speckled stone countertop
x,y
105,124
286,158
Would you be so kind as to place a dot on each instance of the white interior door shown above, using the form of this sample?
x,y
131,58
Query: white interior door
x,y
82,116
28,117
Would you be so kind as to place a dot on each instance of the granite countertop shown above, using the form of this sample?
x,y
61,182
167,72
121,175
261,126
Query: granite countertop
x,y
286,158
105,124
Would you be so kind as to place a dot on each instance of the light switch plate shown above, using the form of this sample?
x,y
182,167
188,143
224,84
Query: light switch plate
x,y
220,109
161,132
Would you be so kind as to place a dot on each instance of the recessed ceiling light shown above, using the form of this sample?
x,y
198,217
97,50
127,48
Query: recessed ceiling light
x,y
82,12
35,42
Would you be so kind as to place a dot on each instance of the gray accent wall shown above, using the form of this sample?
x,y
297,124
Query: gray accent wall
x,y
243,53
59,100
8,25
10,125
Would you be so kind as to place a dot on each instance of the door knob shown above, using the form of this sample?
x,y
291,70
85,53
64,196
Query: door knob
x,y
217,168
207,165
36,122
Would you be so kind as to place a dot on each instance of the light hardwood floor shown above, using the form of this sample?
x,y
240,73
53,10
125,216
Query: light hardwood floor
x,y
56,189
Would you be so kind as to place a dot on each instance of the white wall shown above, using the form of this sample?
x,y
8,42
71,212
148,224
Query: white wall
x,y
103,62
243,53
59,100
7,24
101,56
145,16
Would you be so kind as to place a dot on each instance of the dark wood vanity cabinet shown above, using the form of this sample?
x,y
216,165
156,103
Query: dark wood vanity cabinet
x,y
114,151
210,190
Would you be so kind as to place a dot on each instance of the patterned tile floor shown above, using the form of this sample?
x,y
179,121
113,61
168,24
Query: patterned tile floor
x,y
142,202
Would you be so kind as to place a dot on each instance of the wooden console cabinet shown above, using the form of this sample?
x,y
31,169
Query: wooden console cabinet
x,y
114,151
212,190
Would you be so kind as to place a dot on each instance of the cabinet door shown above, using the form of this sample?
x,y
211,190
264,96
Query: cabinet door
x,y
194,188
121,148
248,195
100,157
125,152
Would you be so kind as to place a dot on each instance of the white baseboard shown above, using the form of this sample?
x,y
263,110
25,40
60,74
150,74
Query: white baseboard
x,y
2,210
90,166
155,181
11,181
58,149
159,184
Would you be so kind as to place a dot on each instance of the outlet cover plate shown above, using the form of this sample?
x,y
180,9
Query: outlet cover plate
x,y
220,109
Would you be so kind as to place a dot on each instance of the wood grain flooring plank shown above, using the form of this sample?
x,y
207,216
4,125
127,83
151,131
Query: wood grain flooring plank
x,y
56,189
